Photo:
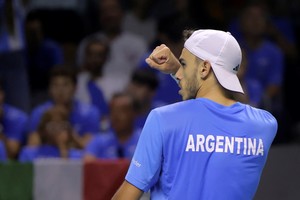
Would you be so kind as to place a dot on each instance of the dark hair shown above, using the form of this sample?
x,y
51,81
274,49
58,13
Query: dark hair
x,y
65,71
145,76
187,33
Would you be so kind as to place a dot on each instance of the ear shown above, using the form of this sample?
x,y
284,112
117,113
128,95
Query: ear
x,y
205,69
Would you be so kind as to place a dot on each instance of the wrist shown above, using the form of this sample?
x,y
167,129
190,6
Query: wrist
x,y
174,77
175,65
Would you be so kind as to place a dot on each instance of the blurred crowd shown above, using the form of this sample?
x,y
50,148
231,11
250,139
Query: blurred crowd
x,y
74,83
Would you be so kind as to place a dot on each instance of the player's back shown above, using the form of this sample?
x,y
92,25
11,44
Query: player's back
x,y
211,151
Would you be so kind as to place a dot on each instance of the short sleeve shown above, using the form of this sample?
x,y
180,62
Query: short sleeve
x,y
146,163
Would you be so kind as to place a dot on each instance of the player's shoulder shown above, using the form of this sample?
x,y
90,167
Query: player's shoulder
x,y
259,111
261,115
177,107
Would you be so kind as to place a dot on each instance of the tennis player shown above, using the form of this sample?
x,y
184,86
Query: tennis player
x,y
209,146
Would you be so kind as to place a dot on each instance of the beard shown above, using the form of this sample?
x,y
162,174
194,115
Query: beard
x,y
192,87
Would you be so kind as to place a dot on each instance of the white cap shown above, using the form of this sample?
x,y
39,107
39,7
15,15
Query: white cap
x,y
223,52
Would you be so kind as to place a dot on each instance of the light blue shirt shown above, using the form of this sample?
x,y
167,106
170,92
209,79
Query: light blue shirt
x,y
200,150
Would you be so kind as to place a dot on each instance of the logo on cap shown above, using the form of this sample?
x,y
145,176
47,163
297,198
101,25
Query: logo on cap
x,y
236,68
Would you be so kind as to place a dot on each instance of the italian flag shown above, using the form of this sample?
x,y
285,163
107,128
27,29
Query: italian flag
x,y
58,179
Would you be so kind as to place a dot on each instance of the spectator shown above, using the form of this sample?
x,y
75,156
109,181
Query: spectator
x,y
121,140
42,54
55,132
12,58
170,155
126,49
84,118
143,86
90,76
12,126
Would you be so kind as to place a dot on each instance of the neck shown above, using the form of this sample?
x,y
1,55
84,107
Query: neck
x,y
216,93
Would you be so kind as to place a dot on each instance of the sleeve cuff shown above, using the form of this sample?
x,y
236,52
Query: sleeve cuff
x,y
174,77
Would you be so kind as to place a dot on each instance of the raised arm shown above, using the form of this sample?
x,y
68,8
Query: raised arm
x,y
163,60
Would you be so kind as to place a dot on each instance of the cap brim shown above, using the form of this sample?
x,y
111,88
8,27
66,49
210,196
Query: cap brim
x,y
227,79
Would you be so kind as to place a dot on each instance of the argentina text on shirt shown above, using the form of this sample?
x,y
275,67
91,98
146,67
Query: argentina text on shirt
x,y
225,144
